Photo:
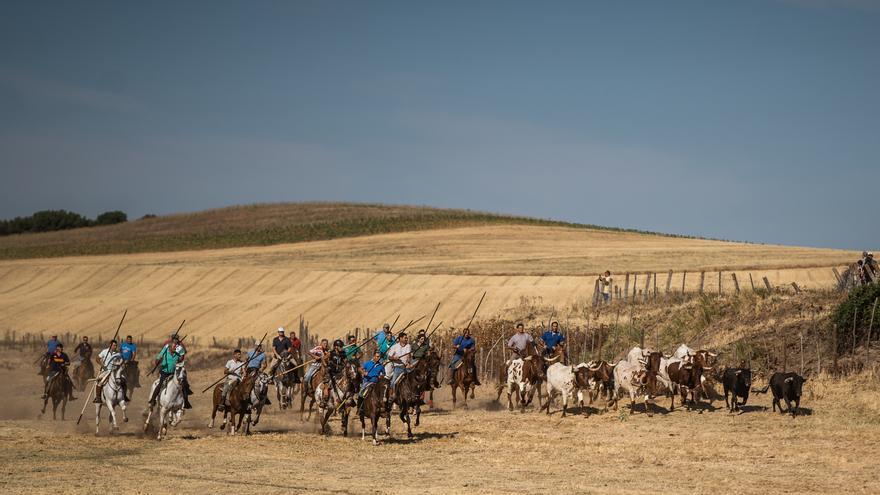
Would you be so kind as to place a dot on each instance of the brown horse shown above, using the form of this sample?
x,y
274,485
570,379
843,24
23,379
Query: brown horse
x,y
239,399
432,360
82,374
463,376
306,390
343,391
409,388
374,406
58,391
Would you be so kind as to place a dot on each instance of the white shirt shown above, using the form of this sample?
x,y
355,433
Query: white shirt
x,y
402,353
234,368
107,357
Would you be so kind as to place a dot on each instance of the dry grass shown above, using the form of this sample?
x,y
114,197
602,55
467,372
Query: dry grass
x,y
364,281
481,450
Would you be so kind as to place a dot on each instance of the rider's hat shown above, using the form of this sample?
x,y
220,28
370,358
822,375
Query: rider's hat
x,y
280,329
338,342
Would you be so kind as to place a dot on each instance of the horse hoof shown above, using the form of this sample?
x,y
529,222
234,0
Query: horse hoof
x,y
125,420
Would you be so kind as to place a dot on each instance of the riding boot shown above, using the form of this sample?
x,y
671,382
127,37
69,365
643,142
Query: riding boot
x,y
476,377
186,404
125,393
98,394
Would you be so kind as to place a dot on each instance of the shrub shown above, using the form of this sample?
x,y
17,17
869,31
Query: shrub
x,y
858,304
111,217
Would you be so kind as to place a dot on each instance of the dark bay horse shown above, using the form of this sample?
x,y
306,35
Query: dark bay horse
x,y
374,406
463,377
432,360
408,393
82,373
58,391
343,391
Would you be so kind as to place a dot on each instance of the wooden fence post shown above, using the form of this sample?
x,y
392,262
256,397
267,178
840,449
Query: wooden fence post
x,y
702,279
751,281
647,285
635,282
855,319
870,327
797,290
836,275
625,289
684,275
655,286
719,282
767,284
735,282
668,281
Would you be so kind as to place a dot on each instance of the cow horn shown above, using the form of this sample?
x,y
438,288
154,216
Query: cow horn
x,y
707,368
594,367
713,354
738,372
789,380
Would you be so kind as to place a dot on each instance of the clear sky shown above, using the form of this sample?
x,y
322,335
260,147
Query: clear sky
x,y
746,120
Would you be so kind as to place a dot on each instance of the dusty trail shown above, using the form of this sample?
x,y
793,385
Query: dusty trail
x,y
483,449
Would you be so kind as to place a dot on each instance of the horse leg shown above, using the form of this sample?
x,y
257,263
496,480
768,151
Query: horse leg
x,y
345,421
147,421
97,418
374,419
363,423
111,408
453,395
418,413
407,419
213,416
63,407
45,401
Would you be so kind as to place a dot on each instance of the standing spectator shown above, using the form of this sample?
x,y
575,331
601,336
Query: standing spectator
x,y
606,280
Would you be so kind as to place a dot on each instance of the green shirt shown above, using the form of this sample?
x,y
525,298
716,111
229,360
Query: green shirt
x,y
168,360
351,351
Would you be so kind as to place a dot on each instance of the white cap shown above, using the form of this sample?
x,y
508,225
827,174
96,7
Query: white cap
x,y
280,329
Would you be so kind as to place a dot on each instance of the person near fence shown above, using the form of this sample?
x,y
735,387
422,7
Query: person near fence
x,y
296,345
233,373
605,280
461,344
553,338
518,341
58,364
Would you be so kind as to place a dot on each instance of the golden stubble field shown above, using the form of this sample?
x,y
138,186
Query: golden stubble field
x,y
486,449
363,281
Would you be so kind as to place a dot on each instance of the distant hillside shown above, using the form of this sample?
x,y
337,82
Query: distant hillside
x,y
253,225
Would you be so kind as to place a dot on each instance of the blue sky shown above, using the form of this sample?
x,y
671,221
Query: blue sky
x,y
747,120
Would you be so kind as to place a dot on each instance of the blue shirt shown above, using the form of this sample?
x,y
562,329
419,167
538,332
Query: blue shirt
x,y
552,339
463,343
51,345
128,350
255,362
374,371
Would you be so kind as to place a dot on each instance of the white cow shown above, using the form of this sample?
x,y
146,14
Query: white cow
x,y
638,356
562,379
632,379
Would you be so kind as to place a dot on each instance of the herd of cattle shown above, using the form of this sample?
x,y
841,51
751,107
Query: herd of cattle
x,y
643,373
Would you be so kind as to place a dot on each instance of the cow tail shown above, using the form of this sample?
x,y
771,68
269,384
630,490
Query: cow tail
x,y
761,390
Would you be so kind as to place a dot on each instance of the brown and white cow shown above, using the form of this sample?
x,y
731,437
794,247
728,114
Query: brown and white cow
x,y
687,377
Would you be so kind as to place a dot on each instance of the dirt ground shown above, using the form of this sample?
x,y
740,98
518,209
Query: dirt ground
x,y
833,448
362,282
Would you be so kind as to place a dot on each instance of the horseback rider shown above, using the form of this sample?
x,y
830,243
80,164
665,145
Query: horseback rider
x,y
51,345
384,340
281,347
352,351
233,373
128,349
518,341
167,359
370,372
335,366
83,349
58,363
399,360
552,339
108,359
422,346
256,360
461,344
317,354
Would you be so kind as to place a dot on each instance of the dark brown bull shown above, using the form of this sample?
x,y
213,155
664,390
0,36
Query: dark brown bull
x,y
688,378
600,374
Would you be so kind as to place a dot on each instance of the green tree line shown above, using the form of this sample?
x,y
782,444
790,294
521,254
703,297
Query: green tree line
x,y
51,220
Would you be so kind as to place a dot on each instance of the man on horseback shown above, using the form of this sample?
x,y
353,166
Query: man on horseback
x,y
399,359
552,339
58,363
352,351
335,366
108,359
384,340
233,373
51,345
281,347
256,360
83,349
518,341
371,371
317,354
167,359
461,344
44,359
421,348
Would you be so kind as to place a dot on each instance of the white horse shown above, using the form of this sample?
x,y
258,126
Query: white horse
x,y
259,396
112,395
170,401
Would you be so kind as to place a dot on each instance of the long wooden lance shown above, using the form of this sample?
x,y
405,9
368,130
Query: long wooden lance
x,y
250,358
432,316
468,327
164,349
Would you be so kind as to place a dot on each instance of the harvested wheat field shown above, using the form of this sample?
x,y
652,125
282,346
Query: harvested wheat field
x,y
362,281
832,448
